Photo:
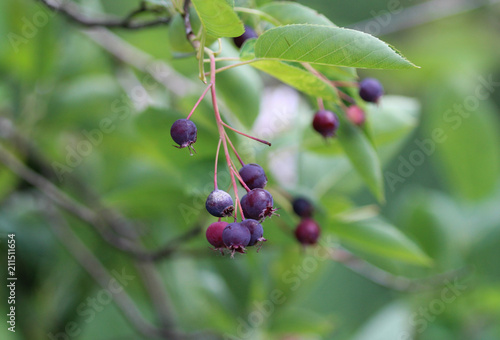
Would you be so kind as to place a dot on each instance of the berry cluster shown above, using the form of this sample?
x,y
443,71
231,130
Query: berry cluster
x,y
256,205
307,231
326,122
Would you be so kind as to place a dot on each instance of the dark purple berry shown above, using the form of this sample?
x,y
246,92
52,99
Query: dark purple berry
x,y
219,204
184,133
356,115
302,207
257,204
253,175
326,123
236,237
370,90
249,34
214,234
307,231
256,231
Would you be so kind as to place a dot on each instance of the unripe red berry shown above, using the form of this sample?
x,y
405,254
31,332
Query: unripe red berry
x,y
356,115
214,234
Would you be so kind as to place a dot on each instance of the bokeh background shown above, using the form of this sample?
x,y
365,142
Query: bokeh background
x,y
437,133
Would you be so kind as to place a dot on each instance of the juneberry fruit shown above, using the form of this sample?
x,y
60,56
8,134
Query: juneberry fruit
x,y
370,90
214,234
256,231
302,207
326,123
249,34
184,133
307,231
257,204
236,237
219,204
356,115
253,175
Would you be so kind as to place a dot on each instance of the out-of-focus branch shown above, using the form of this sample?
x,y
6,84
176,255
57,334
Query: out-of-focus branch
x,y
74,13
100,274
161,72
390,280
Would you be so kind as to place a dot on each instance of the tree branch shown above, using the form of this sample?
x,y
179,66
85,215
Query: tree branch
x,y
73,12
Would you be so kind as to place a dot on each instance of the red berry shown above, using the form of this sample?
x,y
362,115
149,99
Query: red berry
x,y
307,231
214,234
356,115
326,123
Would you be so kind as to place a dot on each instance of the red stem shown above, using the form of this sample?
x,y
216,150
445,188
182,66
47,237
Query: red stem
x,y
199,100
216,162
241,180
235,152
321,105
244,134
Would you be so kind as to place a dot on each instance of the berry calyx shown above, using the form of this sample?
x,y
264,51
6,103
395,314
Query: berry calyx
x,y
236,237
214,234
219,204
302,207
370,90
248,34
253,175
257,204
326,123
256,231
184,133
307,232
356,115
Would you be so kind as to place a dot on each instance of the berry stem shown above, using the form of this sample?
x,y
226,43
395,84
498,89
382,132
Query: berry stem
x,y
216,162
321,105
235,152
199,100
237,174
244,134
234,65
338,83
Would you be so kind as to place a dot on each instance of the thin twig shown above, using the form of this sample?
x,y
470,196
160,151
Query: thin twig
x,y
73,12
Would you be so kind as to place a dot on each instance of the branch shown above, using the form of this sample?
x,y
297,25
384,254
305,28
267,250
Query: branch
x,y
100,274
390,280
73,12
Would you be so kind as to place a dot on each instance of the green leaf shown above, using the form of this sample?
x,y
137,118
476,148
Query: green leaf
x,y
380,238
297,77
218,18
363,157
328,46
288,13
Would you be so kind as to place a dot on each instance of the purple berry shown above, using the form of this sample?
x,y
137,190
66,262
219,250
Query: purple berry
x,y
253,175
307,231
302,207
184,133
236,237
256,231
356,115
248,34
370,90
219,204
214,234
326,123
257,204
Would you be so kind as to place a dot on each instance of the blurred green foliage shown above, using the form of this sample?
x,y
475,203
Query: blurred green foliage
x,y
436,136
